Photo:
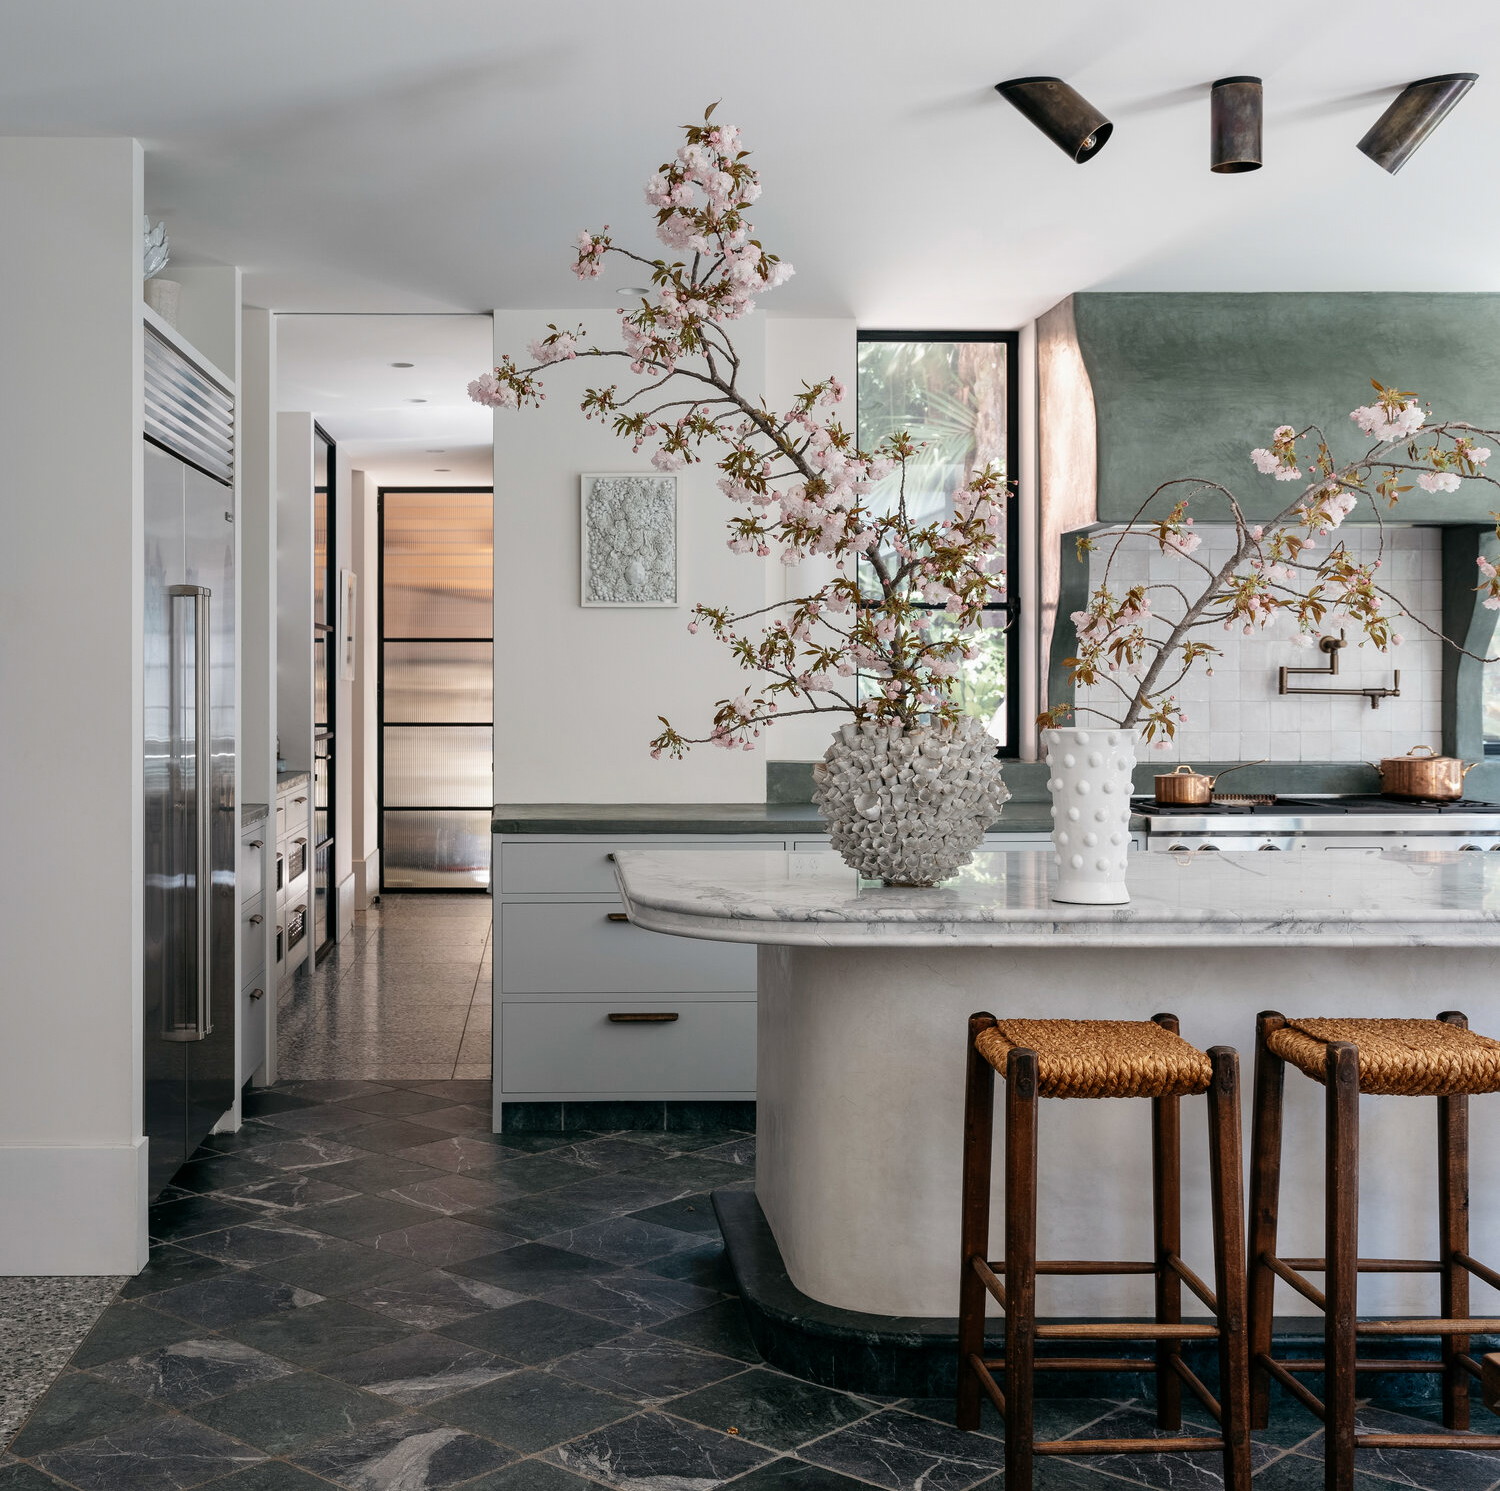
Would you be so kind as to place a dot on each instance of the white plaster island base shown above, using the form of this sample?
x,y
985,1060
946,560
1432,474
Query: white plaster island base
x,y
865,993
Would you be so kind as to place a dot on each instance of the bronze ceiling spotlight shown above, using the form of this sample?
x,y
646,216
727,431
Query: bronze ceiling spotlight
x,y
1068,119
1237,107
1413,115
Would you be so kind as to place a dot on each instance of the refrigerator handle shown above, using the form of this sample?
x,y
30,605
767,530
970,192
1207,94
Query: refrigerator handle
x,y
199,972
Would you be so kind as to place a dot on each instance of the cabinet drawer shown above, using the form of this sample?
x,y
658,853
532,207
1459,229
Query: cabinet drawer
x,y
557,1047
252,940
250,871
548,947
252,1015
281,821
586,866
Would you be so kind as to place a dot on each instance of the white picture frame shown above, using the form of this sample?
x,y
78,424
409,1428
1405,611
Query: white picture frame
x,y
628,540
348,610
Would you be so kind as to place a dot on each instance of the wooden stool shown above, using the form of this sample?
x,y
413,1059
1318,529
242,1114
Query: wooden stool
x,y
1438,1058
1100,1059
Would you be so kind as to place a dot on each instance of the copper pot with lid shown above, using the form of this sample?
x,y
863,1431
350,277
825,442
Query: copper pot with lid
x,y
1437,778
1186,787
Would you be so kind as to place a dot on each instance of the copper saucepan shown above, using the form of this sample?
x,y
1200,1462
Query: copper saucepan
x,y
1438,778
1184,786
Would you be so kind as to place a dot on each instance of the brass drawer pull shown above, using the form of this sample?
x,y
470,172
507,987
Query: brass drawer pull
x,y
299,799
257,993
615,916
257,843
633,1017
256,920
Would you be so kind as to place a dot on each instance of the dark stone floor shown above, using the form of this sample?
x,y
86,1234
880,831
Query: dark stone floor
x,y
366,1288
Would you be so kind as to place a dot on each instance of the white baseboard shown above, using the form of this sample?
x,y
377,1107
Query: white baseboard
x,y
366,881
345,908
73,1209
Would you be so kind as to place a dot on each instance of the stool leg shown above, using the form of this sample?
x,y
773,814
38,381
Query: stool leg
x,y
1453,1238
1265,1190
1166,1186
1229,1265
1342,1247
979,1112
1020,1265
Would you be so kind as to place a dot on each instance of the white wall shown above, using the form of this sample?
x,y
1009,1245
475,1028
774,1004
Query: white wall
x,y
294,589
364,820
578,690
72,1154
1236,714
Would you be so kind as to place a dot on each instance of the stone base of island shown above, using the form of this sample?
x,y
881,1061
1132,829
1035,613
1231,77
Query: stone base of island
x,y
864,996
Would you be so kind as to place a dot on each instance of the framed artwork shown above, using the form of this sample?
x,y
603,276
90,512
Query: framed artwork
x,y
628,522
348,601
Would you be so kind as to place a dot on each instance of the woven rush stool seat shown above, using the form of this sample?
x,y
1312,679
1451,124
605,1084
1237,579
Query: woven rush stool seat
x,y
1440,1059
1101,1058
1400,1058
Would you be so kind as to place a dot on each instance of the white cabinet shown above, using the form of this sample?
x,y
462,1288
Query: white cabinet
x,y
292,932
254,1011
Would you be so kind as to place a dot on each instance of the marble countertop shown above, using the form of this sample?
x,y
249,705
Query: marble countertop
x,y
1002,899
252,813
707,818
288,779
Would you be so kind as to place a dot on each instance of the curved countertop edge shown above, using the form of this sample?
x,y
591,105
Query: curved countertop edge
x,y
720,819
252,813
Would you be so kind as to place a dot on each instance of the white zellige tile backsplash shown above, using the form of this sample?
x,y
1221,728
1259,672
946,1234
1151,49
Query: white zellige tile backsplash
x,y
1237,714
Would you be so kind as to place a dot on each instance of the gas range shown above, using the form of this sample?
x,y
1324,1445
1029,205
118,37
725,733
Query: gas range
x,y
1356,822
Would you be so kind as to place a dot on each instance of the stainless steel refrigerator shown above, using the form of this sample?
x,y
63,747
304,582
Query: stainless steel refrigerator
x,y
191,827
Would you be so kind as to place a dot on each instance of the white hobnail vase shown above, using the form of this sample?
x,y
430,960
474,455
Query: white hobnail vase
x,y
1089,777
909,807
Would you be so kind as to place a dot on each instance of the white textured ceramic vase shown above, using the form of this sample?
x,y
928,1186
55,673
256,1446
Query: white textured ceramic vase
x,y
1090,782
909,807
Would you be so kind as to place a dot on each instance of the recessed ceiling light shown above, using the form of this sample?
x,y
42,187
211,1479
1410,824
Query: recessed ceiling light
x,y
635,292
442,468
442,452
403,364
416,401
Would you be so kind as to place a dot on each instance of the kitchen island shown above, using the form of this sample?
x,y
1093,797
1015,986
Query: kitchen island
x,y
864,995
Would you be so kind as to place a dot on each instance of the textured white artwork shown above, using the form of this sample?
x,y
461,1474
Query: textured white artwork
x,y
629,525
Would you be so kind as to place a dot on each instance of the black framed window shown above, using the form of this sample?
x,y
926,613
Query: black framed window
x,y
325,603
955,393
436,687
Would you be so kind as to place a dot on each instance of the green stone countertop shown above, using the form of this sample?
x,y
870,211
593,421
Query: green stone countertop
x,y
707,818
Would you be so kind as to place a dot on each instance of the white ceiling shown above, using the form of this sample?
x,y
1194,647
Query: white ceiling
x,y
362,155
340,368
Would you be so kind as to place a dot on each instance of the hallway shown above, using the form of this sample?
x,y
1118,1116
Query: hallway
x,y
406,995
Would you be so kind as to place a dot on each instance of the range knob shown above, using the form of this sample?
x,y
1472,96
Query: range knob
x,y
1273,848
1468,846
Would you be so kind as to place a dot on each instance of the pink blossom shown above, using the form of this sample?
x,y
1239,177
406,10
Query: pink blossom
x,y
1438,481
1387,425
557,348
669,460
1266,461
1486,567
487,389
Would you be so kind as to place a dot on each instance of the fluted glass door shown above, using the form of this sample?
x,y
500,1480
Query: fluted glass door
x,y
436,688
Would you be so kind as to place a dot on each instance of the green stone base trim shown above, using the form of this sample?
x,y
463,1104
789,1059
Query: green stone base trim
x,y
911,1356
657,1116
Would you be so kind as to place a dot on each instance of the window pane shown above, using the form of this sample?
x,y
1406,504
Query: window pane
x,y
439,563
436,850
448,681
436,766
950,397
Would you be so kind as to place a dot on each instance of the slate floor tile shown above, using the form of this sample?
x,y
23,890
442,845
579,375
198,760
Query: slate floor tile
x,y
286,1191
1297,1472
463,1154
688,1173
797,1475
322,1119
622,1240
740,1151
531,1332
363,1216
292,1412
169,1453
17,1477
259,1102
652,1445
230,1298
428,1301
191,1216
719,1328
531,1411
903,1452
420,1369
264,1240
526,1174
1192,1472
219,1172
378,1172
169,1266
311,1153
451,1195
528,1475
394,1102
441,1242
646,1369
706,1265
406,1452
330,1332
270,1475
77,1406
770,1408
535,1216
334,1090
532,1268
619,1194
193,1371
128,1330
688,1214
458,1119
251,1134
632,1300
340,1269
388,1135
